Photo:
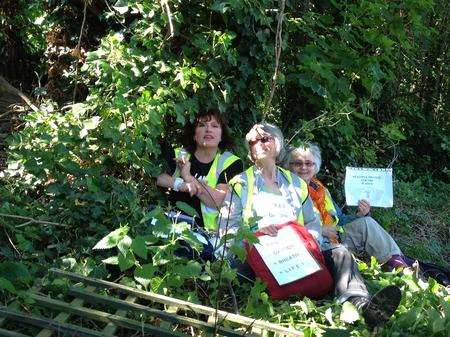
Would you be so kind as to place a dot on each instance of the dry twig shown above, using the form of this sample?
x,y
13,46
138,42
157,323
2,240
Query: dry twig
x,y
165,7
278,41
77,51
12,243
31,220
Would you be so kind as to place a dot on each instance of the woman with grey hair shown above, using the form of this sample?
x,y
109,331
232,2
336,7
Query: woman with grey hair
x,y
272,183
266,195
362,233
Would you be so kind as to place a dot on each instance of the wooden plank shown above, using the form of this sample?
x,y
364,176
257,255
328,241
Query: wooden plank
x,y
111,328
104,317
64,316
44,322
167,316
7,333
242,320
14,305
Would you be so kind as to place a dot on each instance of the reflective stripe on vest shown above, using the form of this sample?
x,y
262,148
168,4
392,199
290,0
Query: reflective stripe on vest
x,y
329,207
244,186
220,163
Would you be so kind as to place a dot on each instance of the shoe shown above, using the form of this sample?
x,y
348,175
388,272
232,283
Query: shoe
x,y
395,262
381,306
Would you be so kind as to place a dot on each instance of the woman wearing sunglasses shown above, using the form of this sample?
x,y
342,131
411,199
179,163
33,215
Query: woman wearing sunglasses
x,y
362,234
273,195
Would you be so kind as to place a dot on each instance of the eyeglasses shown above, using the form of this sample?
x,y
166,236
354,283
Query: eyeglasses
x,y
299,163
264,140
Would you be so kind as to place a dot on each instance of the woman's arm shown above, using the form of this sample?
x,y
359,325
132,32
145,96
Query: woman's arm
x,y
165,180
311,218
214,197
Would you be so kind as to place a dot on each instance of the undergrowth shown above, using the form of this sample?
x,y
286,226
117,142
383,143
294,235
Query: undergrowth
x,y
142,256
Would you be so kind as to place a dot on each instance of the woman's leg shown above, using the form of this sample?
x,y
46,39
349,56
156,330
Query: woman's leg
x,y
347,278
365,235
350,286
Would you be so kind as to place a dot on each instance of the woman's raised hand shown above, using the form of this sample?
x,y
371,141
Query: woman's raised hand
x,y
330,233
363,208
184,165
193,188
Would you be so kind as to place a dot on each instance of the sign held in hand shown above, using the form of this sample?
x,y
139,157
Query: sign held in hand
x,y
286,256
371,184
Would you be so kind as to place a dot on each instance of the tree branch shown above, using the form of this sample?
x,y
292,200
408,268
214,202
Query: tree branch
x,y
31,220
165,7
5,86
278,41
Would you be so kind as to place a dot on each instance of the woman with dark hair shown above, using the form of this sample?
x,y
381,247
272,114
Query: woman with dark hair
x,y
201,169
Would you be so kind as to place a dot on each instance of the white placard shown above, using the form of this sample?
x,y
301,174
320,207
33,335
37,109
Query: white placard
x,y
286,256
372,184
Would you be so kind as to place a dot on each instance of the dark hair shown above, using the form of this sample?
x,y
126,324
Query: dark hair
x,y
189,130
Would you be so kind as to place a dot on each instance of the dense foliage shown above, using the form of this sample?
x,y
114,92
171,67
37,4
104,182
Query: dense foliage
x,y
367,80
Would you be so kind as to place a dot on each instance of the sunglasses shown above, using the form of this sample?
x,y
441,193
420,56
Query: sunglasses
x,y
299,163
263,140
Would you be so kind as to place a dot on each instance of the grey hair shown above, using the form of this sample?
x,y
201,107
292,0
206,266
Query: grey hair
x,y
313,148
277,135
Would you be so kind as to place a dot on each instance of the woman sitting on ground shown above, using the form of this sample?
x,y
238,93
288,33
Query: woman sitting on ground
x,y
274,196
200,171
362,234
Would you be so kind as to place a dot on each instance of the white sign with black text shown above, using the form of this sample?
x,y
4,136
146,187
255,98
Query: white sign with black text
x,y
371,184
286,256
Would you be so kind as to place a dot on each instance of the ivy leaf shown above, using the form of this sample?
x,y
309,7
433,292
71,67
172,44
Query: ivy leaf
x,y
7,285
89,124
205,277
114,260
349,313
144,274
126,261
189,270
156,283
138,247
112,239
121,6
182,206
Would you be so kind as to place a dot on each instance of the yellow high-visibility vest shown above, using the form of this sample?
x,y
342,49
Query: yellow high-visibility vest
x,y
220,163
244,186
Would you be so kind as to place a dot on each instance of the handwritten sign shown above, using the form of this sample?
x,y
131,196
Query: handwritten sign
x,y
372,184
286,256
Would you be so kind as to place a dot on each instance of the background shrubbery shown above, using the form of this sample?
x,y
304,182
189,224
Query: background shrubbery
x,y
367,80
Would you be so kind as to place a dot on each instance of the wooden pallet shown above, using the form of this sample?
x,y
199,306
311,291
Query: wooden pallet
x,y
116,310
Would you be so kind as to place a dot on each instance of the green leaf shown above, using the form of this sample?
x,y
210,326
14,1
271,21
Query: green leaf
x,y
7,285
156,283
114,260
182,206
124,244
144,274
126,261
69,262
240,251
121,6
112,239
205,277
189,270
139,247
349,313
